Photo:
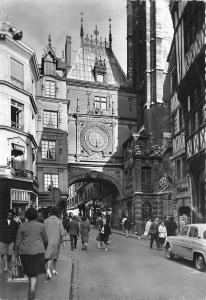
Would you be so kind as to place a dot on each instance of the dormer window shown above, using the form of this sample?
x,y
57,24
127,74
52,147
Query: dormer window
x,y
100,70
100,77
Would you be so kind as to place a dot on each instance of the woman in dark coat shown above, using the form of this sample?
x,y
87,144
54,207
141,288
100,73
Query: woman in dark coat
x,y
84,231
105,232
30,244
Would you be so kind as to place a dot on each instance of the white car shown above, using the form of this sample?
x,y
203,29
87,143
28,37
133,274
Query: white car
x,y
189,244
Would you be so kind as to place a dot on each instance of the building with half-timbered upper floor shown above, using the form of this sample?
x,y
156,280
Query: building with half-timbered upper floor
x,y
189,38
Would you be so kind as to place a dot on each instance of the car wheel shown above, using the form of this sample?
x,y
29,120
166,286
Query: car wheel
x,y
199,262
169,253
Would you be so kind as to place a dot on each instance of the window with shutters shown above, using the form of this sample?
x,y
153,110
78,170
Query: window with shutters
x,y
50,119
16,73
48,149
50,88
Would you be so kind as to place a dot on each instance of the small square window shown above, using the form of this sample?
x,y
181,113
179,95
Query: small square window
x,y
48,149
50,119
50,181
100,77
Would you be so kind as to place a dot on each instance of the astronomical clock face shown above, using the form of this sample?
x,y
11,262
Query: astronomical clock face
x,y
96,139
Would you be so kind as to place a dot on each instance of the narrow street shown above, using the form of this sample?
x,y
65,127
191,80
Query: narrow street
x,y
130,270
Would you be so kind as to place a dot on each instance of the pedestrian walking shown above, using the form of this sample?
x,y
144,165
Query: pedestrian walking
x,y
126,226
73,229
147,228
105,232
154,233
98,239
172,227
30,245
162,230
139,228
55,232
84,232
8,232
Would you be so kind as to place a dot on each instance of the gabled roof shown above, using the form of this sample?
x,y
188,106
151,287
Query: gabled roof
x,y
88,53
49,51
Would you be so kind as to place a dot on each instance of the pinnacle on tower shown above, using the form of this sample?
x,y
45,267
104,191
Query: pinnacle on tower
x,y
49,39
110,34
81,28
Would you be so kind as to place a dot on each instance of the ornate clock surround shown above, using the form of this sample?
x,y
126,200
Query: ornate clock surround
x,y
96,137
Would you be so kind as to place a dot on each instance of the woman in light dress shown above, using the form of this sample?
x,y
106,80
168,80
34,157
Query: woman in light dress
x,y
55,232
147,228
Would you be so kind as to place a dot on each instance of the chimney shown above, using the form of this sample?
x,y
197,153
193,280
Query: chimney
x,y
68,53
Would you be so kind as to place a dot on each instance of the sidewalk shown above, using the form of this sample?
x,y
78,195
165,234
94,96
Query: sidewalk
x,y
131,235
57,288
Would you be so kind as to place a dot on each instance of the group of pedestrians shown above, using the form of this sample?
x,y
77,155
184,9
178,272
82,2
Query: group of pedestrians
x,y
157,230
76,227
36,242
160,229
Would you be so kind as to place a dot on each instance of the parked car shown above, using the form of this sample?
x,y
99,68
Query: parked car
x,y
189,244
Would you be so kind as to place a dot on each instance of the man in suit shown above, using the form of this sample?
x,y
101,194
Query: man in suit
x,y
73,229
8,232
154,233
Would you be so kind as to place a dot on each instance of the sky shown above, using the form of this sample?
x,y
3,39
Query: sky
x,y
39,18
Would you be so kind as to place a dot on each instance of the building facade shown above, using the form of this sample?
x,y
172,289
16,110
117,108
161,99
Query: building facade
x,y
181,186
51,128
189,38
147,173
102,113
18,77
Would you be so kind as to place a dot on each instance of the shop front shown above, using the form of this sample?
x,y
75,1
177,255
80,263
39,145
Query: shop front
x,y
21,200
182,205
18,195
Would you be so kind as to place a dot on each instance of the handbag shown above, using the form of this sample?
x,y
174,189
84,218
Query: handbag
x,y
98,238
17,271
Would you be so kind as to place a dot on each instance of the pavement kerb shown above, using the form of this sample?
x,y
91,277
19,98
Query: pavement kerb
x,y
131,235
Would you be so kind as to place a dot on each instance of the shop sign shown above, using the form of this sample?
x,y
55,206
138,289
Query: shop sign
x,y
164,182
181,189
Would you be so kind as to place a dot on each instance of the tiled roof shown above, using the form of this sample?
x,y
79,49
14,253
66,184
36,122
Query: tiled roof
x,y
84,63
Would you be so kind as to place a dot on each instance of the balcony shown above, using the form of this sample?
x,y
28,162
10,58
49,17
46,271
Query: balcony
x,y
17,126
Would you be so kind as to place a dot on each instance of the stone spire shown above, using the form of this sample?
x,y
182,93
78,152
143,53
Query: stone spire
x,y
81,29
96,33
110,34
49,39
